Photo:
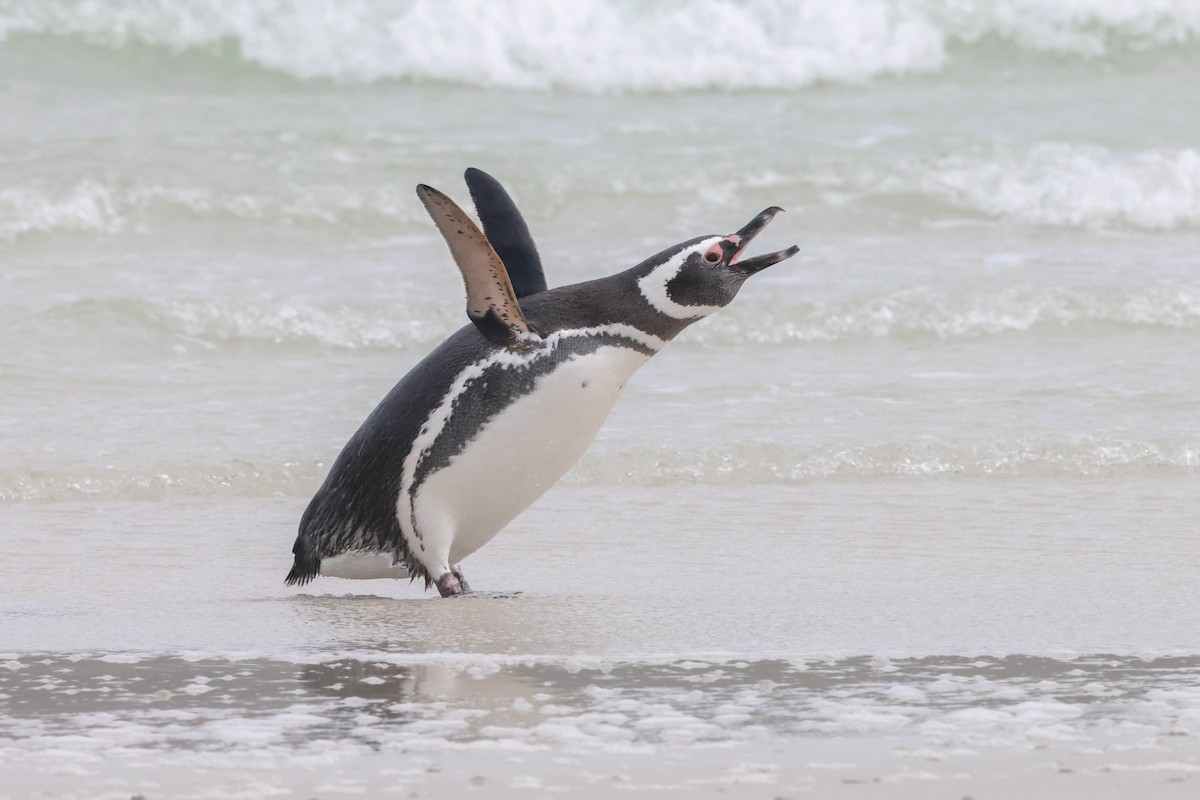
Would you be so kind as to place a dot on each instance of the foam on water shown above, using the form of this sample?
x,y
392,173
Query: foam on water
x,y
1076,185
103,207
342,326
601,45
1054,184
1047,184
239,479
741,463
916,314
953,313
219,706
88,206
776,463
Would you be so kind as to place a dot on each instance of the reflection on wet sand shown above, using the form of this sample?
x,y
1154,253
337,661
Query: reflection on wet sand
x,y
386,699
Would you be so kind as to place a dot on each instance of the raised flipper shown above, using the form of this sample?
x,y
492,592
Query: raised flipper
x,y
507,231
491,303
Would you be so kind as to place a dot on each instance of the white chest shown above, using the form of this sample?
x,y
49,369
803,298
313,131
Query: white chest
x,y
521,452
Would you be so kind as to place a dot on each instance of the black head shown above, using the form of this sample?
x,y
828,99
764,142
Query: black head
x,y
694,279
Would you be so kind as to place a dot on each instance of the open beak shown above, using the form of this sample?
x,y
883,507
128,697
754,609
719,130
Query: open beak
x,y
742,238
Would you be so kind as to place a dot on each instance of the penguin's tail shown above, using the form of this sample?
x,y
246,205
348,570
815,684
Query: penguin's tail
x,y
307,564
308,556
302,572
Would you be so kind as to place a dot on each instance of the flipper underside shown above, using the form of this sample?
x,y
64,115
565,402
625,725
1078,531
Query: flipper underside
x,y
491,302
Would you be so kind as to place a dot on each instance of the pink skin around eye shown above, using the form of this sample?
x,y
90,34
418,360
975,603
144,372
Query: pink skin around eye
x,y
714,254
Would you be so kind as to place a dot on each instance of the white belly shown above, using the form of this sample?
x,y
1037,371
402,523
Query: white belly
x,y
521,453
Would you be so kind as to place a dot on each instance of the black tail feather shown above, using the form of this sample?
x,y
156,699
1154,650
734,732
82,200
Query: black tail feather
x,y
307,564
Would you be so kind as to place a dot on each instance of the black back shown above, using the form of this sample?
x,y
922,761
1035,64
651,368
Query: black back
x,y
355,508
505,228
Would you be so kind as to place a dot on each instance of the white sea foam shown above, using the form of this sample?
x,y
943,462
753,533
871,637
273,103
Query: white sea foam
x,y
211,324
600,45
297,322
1051,183
988,703
106,207
88,206
744,463
951,313
1073,185
749,463
238,478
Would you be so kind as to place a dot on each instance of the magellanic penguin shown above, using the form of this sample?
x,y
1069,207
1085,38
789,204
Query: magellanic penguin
x,y
494,416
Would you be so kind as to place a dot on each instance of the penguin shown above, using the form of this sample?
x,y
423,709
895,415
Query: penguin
x,y
492,418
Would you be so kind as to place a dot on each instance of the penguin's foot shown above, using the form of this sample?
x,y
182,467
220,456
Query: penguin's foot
x,y
452,583
462,580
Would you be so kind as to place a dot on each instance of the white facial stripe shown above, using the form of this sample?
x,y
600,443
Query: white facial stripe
x,y
654,285
435,423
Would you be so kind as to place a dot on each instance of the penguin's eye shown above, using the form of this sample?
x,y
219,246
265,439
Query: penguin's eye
x,y
714,254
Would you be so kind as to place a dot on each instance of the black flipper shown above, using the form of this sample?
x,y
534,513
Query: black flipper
x,y
507,231
491,303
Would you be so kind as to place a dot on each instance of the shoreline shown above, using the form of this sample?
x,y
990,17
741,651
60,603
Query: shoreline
x,y
877,767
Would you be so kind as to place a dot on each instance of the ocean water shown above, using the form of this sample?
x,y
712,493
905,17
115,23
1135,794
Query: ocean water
x,y
925,494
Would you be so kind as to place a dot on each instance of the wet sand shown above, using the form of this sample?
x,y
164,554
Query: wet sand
x,y
877,767
919,639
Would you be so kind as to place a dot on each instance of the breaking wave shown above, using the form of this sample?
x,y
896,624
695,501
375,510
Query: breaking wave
x,y
240,478
91,206
606,45
1073,186
951,314
771,463
747,463
341,326
1050,184
780,319
211,323
86,207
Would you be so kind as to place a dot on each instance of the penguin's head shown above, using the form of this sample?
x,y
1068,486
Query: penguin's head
x,y
695,278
